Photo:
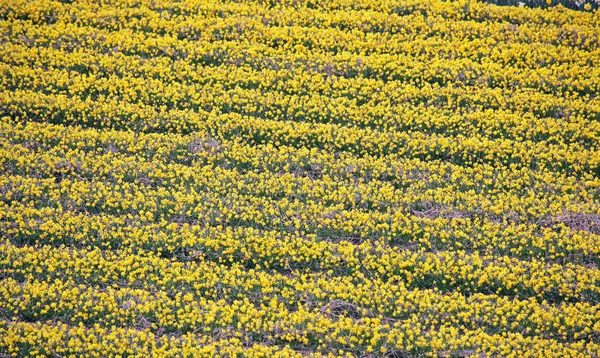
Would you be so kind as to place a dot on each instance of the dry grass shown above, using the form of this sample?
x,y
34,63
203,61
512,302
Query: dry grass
x,y
575,221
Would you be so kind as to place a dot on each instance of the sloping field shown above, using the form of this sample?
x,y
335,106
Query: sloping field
x,y
280,178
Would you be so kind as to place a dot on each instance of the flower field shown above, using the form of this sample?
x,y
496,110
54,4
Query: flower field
x,y
298,178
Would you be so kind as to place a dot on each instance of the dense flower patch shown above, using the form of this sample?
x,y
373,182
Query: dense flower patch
x,y
290,178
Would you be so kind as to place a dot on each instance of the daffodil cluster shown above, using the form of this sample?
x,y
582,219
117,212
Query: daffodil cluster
x,y
293,178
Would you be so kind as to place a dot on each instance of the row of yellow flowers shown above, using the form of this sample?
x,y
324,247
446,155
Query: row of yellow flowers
x,y
120,157
218,90
51,225
151,292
